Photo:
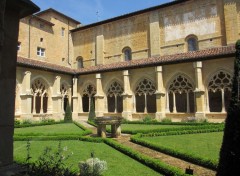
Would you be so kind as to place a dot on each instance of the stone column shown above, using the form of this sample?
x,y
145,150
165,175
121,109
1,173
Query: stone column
x,y
154,33
160,94
127,97
10,13
57,99
99,97
199,91
75,99
27,96
100,47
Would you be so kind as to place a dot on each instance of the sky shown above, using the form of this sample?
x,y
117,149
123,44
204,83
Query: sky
x,y
85,11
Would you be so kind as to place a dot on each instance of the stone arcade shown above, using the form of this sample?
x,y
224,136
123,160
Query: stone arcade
x,y
173,61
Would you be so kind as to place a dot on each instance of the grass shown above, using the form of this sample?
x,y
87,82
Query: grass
x,y
49,130
118,163
145,127
204,145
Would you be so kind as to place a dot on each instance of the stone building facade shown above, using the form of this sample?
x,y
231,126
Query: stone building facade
x,y
173,61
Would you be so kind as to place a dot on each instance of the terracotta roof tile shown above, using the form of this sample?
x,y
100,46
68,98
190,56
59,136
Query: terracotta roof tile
x,y
31,63
207,54
162,60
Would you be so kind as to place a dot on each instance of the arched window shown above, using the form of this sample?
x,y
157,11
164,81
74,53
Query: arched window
x,y
145,97
180,95
40,97
127,52
65,97
219,92
88,96
192,43
79,61
114,97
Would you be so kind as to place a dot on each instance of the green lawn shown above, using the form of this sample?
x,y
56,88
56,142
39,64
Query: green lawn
x,y
135,128
49,130
118,163
205,145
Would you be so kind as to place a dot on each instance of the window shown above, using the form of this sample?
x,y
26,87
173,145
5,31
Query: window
x,y
63,32
19,46
41,52
41,39
127,54
79,62
192,43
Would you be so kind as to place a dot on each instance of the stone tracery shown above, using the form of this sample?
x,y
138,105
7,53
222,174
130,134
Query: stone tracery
x,y
114,95
88,94
145,96
180,95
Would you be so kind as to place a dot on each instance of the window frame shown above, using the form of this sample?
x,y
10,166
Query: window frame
x,y
41,52
127,53
192,43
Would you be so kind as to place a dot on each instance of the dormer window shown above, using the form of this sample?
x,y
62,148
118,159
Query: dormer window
x,y
127,52
192,43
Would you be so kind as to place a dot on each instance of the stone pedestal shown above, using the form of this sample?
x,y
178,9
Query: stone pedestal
x,y
10,13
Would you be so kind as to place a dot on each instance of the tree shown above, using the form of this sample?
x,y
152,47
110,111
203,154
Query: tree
x,y
230,150
92,114
68,113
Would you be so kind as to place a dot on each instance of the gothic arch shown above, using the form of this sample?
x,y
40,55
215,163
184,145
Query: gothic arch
x,y
114,97
40,90
218,91
145,96
180,94
87,96
108,84
66,95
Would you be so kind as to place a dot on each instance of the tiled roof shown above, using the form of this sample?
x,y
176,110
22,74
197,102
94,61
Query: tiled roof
x,y
31,63
201,55
163,60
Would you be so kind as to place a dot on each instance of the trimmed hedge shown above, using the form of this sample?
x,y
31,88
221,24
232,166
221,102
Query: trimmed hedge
x,y
37,124
169,123
157,165
197,127
185,156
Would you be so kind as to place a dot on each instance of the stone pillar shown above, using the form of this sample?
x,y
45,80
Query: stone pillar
x,y
57,99
231,21
10,13
26,97
99,97
100,47
75,99
199,91
160,94
127,97
154,34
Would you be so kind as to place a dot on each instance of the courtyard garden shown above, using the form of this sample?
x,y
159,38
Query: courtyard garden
x,y
195,142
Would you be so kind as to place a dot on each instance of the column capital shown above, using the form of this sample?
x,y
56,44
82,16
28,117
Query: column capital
x,y
197,64
126,73
27,73
159,69
98,76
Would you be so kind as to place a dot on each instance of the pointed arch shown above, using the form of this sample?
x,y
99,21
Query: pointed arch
x,y
180,94
114,97
219,91
40,91
88,95
145,96
65,93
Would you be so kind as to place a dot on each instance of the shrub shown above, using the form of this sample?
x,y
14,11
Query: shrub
x,y
166,120
92,114
148,119
49,163
68,113
27,122
92,167
16,122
